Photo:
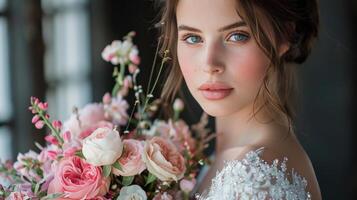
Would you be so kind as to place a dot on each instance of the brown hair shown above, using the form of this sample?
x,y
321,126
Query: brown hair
x,y
272,22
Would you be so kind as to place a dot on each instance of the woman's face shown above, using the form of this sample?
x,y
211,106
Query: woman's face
x,y
216,47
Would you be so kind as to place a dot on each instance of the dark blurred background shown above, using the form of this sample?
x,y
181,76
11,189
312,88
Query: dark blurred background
x,y
52,49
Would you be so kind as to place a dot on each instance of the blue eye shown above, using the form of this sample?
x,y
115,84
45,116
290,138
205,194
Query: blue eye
x,y
238,37
192,39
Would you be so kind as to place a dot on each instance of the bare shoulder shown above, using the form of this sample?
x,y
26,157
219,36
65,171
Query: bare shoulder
x,y
297,160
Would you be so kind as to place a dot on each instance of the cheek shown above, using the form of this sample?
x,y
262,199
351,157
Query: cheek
x,y
250,66
187,62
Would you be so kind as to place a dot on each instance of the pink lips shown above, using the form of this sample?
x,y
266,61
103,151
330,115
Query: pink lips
x,y
215,91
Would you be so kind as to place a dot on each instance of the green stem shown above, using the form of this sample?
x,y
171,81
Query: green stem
x,y
119,80
121,75
115,89
157,79
176,115
186,196
49,125
158,76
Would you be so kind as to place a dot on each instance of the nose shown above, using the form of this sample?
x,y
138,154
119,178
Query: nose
x,y
214,61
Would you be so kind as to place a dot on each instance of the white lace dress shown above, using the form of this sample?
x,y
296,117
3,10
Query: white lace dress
x,y
254,178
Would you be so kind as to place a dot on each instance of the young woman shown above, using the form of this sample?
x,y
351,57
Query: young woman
x,y
238,59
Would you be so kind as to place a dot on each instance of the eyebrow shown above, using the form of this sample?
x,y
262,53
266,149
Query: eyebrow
x,y
224,28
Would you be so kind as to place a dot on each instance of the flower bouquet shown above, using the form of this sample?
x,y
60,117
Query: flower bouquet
x,y
102,152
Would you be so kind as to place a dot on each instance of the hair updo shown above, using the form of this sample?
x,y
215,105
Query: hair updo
x,y
292,21
272,23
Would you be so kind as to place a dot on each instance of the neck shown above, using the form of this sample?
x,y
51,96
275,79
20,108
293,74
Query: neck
x,y
241,129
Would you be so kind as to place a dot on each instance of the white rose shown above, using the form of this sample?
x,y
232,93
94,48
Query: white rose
x,y
102,147
133,192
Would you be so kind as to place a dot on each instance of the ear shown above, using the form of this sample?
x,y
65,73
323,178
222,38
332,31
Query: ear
x,y
284,47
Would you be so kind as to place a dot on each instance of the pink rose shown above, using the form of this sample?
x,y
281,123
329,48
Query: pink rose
x,y
163,159
77,179
130,160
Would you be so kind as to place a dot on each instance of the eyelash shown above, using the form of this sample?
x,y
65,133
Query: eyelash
x,y
189,35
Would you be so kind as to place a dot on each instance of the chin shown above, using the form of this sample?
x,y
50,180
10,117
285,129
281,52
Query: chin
x,y
216,109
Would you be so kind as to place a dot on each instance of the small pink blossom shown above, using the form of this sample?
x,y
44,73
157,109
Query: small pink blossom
x,y
117,52
132,68
39,124
52,154
163,196
178,105
35,119
117,110
57,124
128,82
43,106
134,57
107,98
15,196
35,100
67,136
51,139
70,152
25,165
187,185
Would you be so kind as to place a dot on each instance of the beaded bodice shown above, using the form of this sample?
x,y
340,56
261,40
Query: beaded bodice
x,y
254,178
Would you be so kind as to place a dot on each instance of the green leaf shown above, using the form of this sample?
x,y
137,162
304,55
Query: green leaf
x,y
37,187
79,154
151,177
106,170
117,166
127,180
52,196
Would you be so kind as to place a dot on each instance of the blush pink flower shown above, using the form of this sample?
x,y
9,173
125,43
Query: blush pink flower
x,y
27,164
77,179
178,105
130,160
117,110
51,139
163,196
15,196
178,132
187,185
88,116
163,159
101,124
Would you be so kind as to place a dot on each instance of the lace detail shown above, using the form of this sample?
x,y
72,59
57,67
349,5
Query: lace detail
x,y
254,178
